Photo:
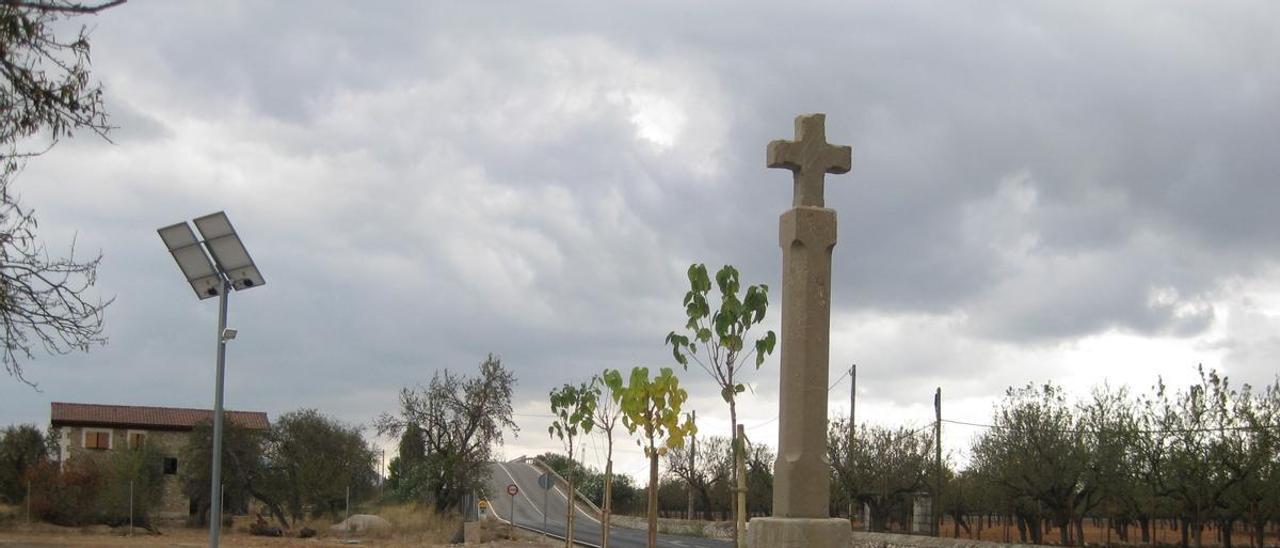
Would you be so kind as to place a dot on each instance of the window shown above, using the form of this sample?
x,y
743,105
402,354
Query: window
x,y
137,439
170,465
97,439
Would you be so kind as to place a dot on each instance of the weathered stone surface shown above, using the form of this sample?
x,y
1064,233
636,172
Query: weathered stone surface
x,y
173,503
809,158
471,533
799,533
892,540
807,235
362,522
801,484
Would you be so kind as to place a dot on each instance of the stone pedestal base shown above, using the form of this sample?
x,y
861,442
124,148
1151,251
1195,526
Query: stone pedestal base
x,y
799,533
471,533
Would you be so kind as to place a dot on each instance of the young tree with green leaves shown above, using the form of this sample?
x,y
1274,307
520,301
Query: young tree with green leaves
x,y
605,418
723,334
652,407
574,407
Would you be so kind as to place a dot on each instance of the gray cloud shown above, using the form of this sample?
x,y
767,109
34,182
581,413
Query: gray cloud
x,y
424,184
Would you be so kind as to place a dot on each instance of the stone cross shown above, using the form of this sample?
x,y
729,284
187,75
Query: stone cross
x,y
809,158
801,489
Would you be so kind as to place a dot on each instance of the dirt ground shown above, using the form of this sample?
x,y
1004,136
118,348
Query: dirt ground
x,y
45,535
1162,533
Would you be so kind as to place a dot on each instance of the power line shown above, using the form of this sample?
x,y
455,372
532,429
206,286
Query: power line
x,y
1093,431
833,385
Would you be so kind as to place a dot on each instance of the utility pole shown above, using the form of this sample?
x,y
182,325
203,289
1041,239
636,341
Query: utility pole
x,y
853,399
693,451
937,455
853,427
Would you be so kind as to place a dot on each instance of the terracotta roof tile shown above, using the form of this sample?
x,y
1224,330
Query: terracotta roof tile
x,y
172,418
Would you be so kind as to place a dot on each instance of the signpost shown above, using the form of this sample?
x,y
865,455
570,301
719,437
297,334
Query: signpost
x,y
511,527
544,481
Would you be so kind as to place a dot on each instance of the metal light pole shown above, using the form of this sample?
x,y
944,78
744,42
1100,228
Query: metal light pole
x,y
234,270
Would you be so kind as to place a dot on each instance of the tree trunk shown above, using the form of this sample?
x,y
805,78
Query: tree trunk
x,y
569,509
1080,531
608,495
740,518
653,495
741,524
1144,523
1022,529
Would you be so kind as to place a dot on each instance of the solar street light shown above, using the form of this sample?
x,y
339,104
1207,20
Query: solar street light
x,y
231,268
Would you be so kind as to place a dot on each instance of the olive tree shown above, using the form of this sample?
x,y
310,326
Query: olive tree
x,y
462,419
319,461
879,466
21,447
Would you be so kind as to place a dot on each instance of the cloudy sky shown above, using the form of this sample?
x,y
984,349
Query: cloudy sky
x,y
1040,191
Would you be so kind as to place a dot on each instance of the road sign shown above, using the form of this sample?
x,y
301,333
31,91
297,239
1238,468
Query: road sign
x,y
544,481
512,490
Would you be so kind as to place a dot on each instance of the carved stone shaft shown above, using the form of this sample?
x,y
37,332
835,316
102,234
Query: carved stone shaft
x,y
801,487
807,235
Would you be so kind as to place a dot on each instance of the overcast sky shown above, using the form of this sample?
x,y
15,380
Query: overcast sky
x,y
1081,193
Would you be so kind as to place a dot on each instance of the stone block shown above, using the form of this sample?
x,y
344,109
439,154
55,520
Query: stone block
x,y
799,533
471,532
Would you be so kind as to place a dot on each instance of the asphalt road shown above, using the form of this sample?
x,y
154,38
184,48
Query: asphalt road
x,y
533,504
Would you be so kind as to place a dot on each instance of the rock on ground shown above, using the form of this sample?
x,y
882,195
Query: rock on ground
x,y
362,522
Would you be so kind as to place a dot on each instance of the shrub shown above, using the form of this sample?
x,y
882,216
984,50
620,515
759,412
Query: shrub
x,y
144,468
66,497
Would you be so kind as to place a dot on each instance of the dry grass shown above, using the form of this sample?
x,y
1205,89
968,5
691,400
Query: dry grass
x,y
418,523
1161,534
412,525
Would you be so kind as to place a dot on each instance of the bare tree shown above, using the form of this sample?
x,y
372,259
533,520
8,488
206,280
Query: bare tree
x,y
713,467
45,90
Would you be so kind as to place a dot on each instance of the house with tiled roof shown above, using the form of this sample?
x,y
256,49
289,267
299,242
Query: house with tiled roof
x,y
93,428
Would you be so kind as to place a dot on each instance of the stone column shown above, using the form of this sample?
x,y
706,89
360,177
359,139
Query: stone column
x,y
801,488
807,237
